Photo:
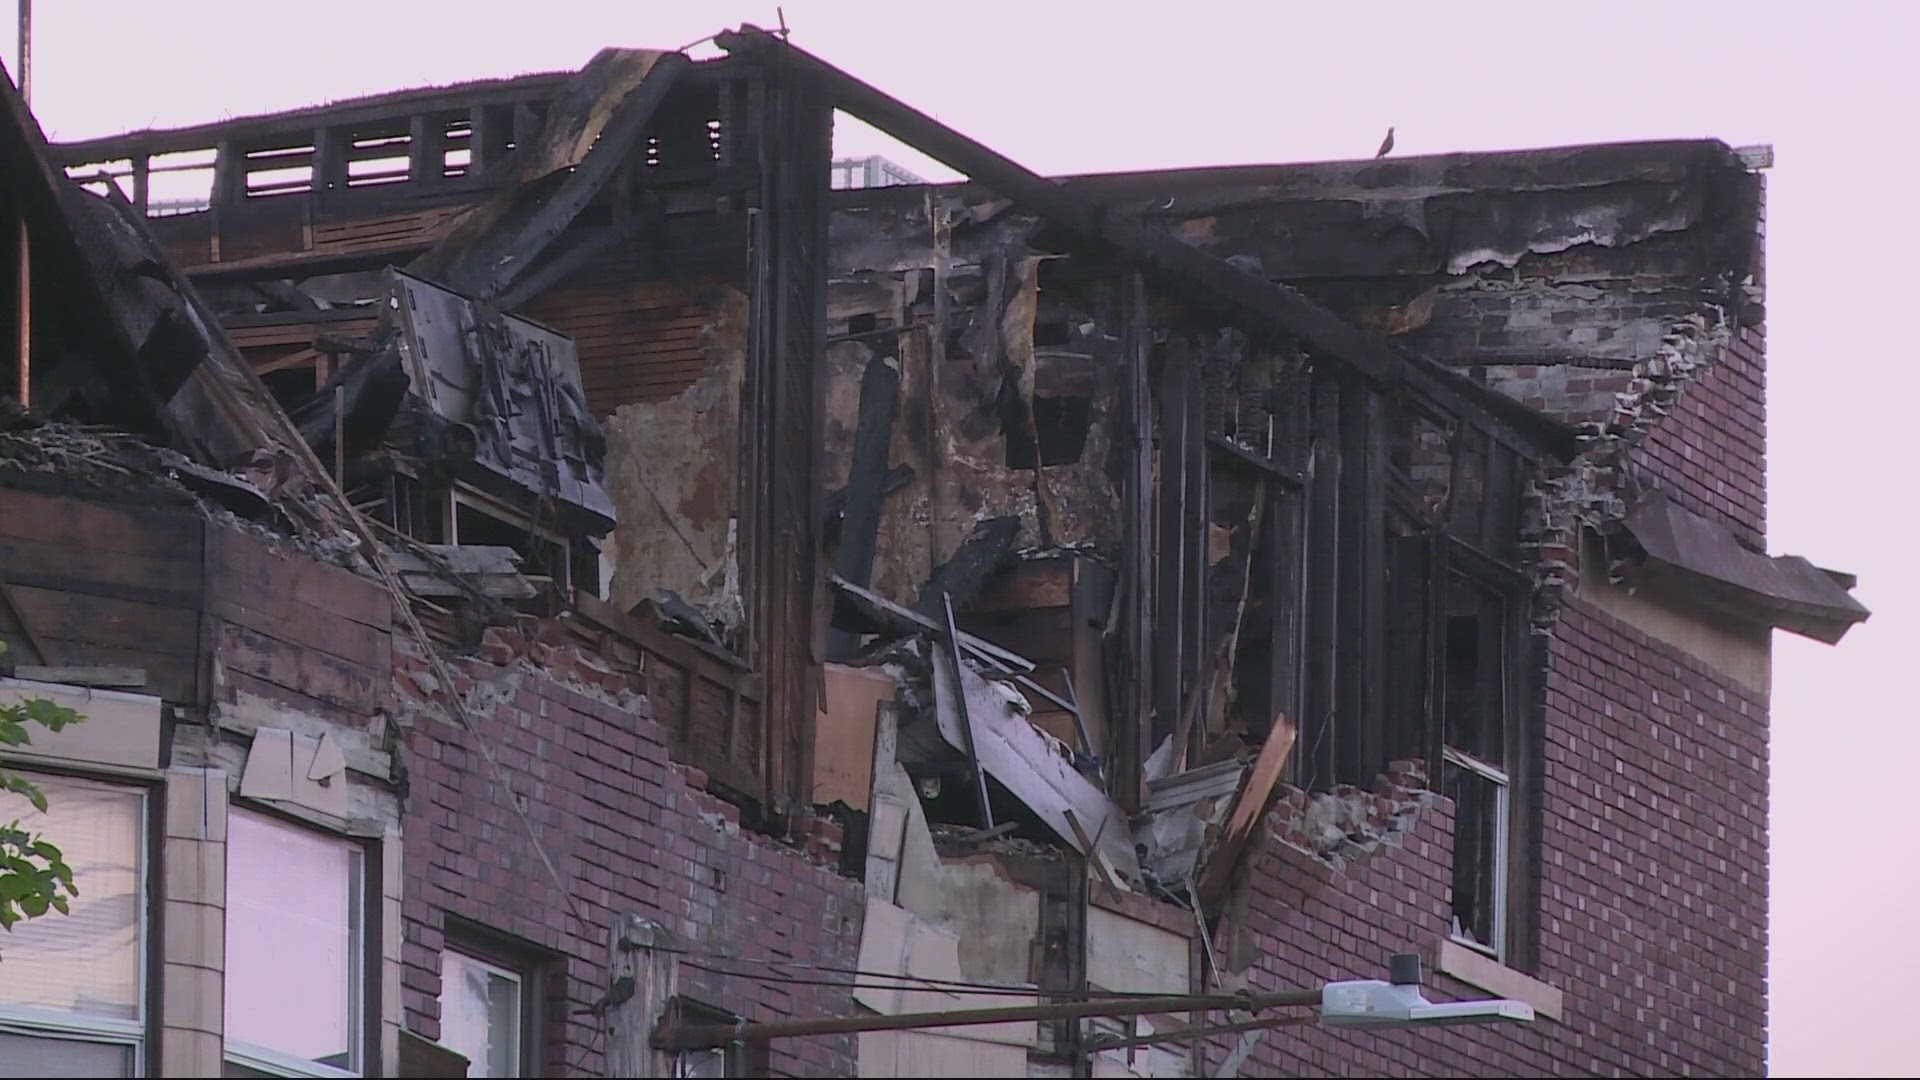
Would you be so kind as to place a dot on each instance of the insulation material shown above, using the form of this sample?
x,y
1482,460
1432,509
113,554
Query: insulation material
x,y
673,476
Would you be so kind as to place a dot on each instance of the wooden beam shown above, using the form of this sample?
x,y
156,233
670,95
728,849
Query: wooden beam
x,y
488,264
1256,791
1375,355
1236,455
867,477
537,87
985,650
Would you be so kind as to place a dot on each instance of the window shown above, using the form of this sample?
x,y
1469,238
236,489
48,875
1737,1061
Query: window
x,y
481,1011
734,1059
294,955
72,999
1476,767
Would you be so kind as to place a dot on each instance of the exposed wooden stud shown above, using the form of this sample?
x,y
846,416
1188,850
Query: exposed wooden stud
x,y
426,149
966,716
23,318
866,478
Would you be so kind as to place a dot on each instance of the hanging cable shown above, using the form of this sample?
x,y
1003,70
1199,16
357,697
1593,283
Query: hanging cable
x,y
915,982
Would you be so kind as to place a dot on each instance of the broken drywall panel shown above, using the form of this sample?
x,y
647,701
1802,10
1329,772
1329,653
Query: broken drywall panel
x,y
844,734
910,957
297,770
365,749
1128,956
672,474
892,805
996,920
514,386
1033,766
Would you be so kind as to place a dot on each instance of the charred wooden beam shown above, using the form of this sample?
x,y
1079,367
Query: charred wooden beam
x,y
867,478
1374,355
1177,521
1134,636
538,87
1362,526
1318,731
486,258
1235,455
978,558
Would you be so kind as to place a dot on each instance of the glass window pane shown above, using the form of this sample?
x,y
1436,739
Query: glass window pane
x,y
697,1064
88,961
293,899
480,1015
34,1055
1478,847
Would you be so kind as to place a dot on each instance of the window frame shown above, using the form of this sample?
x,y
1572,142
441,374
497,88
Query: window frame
x,y
523,1003
537,969
738,1059
138,1031
360,987
1502,852
1514,872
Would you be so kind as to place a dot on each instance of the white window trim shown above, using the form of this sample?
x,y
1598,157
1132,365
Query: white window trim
x,y
280,1064
29,1022
519,1003
37,1023
1503,824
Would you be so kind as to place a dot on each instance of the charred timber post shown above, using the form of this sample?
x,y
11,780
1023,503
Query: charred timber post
x,y
24,321
966,714
671,1036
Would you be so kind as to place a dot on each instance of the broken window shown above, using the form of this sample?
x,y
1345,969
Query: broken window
x,y
1478,664
295,965
481,1006
72,1000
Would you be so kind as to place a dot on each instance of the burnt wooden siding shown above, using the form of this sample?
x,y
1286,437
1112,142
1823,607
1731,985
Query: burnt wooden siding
x,y
158,588
638,340
297,631
94,583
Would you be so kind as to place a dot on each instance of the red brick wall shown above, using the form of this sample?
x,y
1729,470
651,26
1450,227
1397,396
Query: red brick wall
x,y
1652,915
1710,453
626,831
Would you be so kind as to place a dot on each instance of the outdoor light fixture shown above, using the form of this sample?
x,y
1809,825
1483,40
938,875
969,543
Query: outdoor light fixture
x,y
1398,1003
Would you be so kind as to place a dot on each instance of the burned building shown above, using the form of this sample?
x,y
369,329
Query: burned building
x,y
710,619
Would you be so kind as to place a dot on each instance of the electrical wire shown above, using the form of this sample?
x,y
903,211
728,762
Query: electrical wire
x,y
914,982
703,960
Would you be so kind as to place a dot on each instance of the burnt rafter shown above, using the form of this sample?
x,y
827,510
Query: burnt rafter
x,y
589,134
1179,266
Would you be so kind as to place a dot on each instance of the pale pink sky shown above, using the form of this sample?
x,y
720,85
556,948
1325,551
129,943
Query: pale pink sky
x,y
1072,87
